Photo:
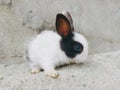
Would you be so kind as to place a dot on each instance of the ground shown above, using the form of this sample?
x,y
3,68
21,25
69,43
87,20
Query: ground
x,y
99,72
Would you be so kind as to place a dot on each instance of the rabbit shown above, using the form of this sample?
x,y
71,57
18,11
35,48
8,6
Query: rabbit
x,y
50,49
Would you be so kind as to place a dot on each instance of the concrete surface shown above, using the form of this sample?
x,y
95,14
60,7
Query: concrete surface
x,y
13,35
97,20
99,72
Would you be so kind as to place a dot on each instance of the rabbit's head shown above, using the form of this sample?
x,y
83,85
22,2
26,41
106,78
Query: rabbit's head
x,y
73,44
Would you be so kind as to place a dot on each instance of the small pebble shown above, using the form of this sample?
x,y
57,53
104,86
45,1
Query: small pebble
x,y
1,78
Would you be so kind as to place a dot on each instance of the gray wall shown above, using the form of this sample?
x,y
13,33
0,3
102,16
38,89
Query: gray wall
x,y
97,20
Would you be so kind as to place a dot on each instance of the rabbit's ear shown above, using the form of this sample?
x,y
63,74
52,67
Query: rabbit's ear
x,y
63,25
67,14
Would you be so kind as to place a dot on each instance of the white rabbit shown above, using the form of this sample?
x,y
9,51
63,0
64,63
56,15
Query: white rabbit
x,y
50,49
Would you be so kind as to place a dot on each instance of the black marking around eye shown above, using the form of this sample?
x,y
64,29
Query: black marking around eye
x,y
68,46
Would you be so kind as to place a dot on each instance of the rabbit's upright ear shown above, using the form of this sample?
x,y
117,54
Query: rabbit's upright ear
x,y
63,25
67,14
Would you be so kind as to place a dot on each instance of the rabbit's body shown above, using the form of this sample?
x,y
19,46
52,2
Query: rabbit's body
x,y
45,50
50,49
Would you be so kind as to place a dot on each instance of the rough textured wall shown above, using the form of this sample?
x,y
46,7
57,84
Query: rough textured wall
x,y
98,20
94,18
13,35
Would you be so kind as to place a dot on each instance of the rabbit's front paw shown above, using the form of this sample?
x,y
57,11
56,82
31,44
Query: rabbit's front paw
x,y
53,74
34,71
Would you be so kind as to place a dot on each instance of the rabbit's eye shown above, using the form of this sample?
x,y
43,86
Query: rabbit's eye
x,y
77,47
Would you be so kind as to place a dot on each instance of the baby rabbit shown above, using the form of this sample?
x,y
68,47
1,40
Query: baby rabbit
x,y
50,49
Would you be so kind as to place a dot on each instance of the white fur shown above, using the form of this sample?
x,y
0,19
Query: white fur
x,y
45,52
83,56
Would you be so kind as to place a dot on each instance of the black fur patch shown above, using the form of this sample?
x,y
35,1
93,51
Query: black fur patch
x,y
68,46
